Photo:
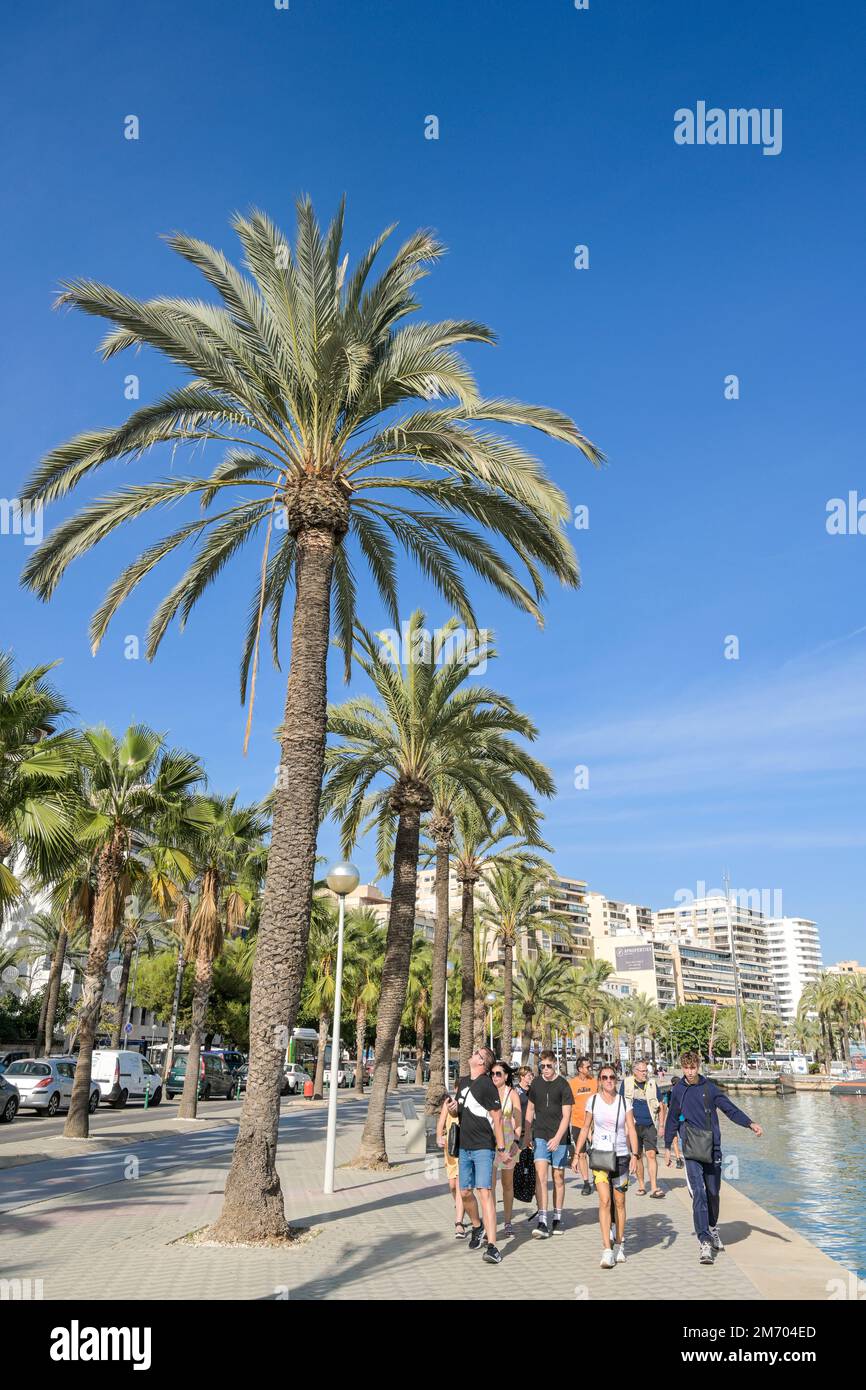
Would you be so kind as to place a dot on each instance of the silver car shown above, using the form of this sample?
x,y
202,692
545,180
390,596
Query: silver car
x,y
44,1084
8,1101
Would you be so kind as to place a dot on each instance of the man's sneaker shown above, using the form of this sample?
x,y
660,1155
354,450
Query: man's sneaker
x,y
716,1239
558,1227
619,1254
586,1190
679,1163
706,1256
477,1238
607,1259
492,1255
541,1230
507,1231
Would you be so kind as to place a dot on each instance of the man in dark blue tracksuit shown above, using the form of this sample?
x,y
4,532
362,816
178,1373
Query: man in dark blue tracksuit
x,y
693,1100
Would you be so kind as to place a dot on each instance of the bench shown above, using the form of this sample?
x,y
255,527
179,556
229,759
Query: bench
x,y
414,1128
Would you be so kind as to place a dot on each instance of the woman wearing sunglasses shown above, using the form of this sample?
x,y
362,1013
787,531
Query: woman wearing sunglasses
x,y
612,1156
502,1075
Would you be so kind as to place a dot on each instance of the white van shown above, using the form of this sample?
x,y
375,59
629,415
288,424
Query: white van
x,y
125,1075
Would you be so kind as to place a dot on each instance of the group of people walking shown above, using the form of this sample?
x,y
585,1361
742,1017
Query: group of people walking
x,y
604,1126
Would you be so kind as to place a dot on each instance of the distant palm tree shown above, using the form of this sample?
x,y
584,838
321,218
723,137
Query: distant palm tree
x,y
227,843
592,999
37,769
637,1016
127,786
302,371
363,980
417,1012
379,771
512,910
541,988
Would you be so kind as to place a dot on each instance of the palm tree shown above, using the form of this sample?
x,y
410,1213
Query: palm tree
x,y
513,911
381,772
225,847
482,985
541,988
127,786
591,998
48,934
417,1011
301,370
820,997
363,979
481,835
637,1016
37,767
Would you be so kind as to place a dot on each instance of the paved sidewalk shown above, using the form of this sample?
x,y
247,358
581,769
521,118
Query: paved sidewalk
x,y
106,1226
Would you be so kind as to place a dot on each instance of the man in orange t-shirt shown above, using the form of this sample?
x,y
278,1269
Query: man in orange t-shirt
x,y
582,1086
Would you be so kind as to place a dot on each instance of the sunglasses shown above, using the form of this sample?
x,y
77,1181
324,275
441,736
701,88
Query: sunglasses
x,y
547,1066
607,1076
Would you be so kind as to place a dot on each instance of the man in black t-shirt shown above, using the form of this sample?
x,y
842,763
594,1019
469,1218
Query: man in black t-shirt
x,y
480,1113
549,1114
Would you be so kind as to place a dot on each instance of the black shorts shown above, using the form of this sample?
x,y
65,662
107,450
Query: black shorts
x,y
647,1138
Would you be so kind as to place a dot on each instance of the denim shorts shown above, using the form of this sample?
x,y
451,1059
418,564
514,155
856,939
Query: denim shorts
x,y
475,1168
557,1158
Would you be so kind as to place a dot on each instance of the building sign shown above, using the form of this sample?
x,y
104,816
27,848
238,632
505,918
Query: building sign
x,y
631,958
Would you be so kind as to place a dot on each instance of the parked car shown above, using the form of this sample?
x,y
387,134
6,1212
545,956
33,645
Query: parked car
x,y
341,1077
233,1059
9,1101
294,1079
9,1057
44,1084
406,1071
214,1077
124,1075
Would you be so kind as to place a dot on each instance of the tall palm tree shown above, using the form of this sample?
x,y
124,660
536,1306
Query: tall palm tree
x,y
48,934
513,911
380,771
541,988
37,769
591,998
128,785
302,370
481,834
227,843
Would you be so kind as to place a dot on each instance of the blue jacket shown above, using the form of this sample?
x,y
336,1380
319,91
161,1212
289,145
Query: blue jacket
x,y
686,1105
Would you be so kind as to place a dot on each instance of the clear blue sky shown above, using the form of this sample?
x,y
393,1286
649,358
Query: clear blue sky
x,y
556,128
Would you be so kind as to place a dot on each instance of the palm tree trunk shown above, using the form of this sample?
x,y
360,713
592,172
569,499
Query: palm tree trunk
x,y
526,1040
253,1206
479,1010
438,1082
419,1049
467,976
508,1002
106,915
319,1078
188,1107
395,974
360,1037
122,988
175,1008
53,992
40,1030
393,1078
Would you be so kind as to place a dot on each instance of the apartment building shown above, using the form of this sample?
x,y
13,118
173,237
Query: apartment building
x,y
702,974
795,960
724,925
846,967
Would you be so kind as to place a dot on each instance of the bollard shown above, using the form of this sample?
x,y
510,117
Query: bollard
x,y
308,1090
146,1093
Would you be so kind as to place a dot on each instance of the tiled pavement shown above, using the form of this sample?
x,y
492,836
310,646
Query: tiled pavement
x,y
382,1235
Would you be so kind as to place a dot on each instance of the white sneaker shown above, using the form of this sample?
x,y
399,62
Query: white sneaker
x,y
619,1254
607,1259
716,1239
706,1255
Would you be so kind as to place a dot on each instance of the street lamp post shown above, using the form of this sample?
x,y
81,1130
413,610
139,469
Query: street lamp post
x,y
491,1000
341,879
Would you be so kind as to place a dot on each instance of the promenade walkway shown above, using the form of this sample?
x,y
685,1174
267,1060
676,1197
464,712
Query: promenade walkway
x,y
109,1220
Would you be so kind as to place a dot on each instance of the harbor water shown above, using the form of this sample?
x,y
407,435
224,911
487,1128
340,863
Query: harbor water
x,y
808,1167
